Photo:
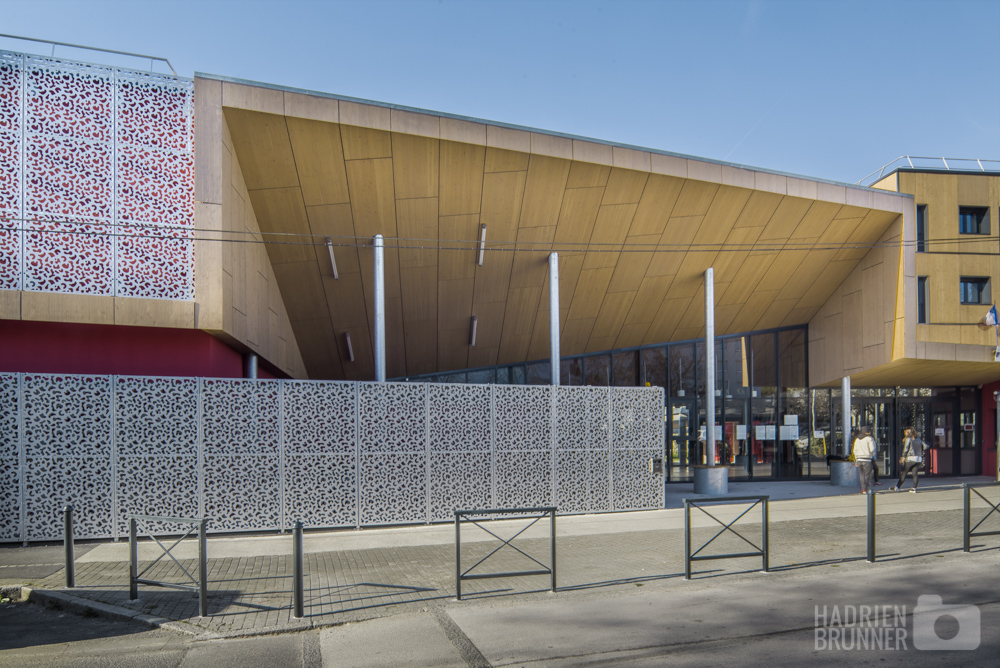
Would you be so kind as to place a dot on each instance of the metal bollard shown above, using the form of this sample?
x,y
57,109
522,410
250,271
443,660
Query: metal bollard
x,y
552,547
203,567
297,589
966,523
68,544
765,548
871,527
458,557
133,561
687,539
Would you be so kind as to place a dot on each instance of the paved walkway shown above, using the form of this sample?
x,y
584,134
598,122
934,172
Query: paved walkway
x,y
621,593
360,575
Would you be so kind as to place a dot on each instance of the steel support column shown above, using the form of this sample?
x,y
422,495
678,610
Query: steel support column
x,y
845,412
709,367
554,362
379,246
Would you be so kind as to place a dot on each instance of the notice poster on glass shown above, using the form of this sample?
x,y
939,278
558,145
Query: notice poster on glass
x,y
789,432
741,432
769,432
760,433
819,434
791,419
718,433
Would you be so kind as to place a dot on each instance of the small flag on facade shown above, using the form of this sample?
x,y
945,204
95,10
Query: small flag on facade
x,y
990,319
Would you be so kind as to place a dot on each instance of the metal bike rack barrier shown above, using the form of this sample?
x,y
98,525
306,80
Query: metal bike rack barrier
x,y
534,514
967,532
761,552
199,584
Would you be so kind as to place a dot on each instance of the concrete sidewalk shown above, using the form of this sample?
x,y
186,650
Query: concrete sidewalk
x,y
622,596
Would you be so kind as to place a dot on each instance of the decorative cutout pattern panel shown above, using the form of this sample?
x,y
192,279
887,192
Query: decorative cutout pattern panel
x,y
96,179
256,455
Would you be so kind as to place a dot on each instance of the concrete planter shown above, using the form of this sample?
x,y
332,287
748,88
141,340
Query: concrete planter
x,y
844,474
712,480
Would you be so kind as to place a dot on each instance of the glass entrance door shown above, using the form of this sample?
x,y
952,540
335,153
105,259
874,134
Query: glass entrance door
x,y
941,452
877,414
683,440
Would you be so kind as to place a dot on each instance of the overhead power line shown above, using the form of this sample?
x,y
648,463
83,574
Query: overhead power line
x,y
189,234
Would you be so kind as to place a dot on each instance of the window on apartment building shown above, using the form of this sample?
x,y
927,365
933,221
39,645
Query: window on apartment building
x,y
973,220
922,298
921,228
975,290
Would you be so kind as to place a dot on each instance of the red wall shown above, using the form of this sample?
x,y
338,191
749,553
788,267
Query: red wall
x,y
56,347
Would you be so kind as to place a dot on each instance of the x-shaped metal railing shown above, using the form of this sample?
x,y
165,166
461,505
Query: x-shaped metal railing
x,y
761,551
533,514
199,584
967,531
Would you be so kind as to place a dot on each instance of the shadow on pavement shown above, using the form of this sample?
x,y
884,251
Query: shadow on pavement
x,y
28,625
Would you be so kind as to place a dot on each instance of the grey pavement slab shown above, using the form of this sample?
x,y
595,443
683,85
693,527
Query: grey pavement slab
x,y
716,611
415,639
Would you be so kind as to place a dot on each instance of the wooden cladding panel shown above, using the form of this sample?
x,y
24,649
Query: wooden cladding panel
x,y
265,153
356,179
415,166
461,185
319,162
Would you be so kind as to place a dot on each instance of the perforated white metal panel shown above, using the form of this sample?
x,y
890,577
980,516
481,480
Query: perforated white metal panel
x,y
156,448
10,459
96,179
319,437
66,439
260,454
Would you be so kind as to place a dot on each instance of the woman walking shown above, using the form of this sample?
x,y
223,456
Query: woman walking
x,y
912,459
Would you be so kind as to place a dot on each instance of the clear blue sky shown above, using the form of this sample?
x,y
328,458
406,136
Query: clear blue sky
x,y
829,89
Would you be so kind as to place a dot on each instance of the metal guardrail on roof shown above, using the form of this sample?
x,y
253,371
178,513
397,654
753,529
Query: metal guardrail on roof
x,y
943,164
151,59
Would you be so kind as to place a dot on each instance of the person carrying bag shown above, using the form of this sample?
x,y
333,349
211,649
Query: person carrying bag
x,y
912,459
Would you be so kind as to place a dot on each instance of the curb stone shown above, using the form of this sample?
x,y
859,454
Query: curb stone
x,y
86,607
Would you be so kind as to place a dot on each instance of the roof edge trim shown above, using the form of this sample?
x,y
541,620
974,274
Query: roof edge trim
x,y
523,128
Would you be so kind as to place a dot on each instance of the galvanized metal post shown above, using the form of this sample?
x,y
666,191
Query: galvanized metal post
x,y
458,556
379,247
133,561
297,588
845,413
764,537
687,539
250,362
202,568
709,367
554,361
68,544
552,546
966,512
871,526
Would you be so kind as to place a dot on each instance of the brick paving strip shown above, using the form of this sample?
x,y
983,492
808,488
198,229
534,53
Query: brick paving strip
x,y
252,594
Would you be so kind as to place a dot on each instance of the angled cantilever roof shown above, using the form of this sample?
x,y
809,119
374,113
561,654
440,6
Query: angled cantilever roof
x,y
635,229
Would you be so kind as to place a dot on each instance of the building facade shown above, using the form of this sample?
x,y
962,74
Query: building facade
x,y
162,226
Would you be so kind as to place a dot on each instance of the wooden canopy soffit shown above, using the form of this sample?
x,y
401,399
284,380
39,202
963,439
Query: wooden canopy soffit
x,y
633,244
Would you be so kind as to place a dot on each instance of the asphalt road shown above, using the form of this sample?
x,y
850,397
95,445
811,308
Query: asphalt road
x,y
749,619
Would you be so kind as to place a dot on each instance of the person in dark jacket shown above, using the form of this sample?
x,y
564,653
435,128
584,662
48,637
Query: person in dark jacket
x,y
912,459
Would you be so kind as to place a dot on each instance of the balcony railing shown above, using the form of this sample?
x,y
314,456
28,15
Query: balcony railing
x,y
942,164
